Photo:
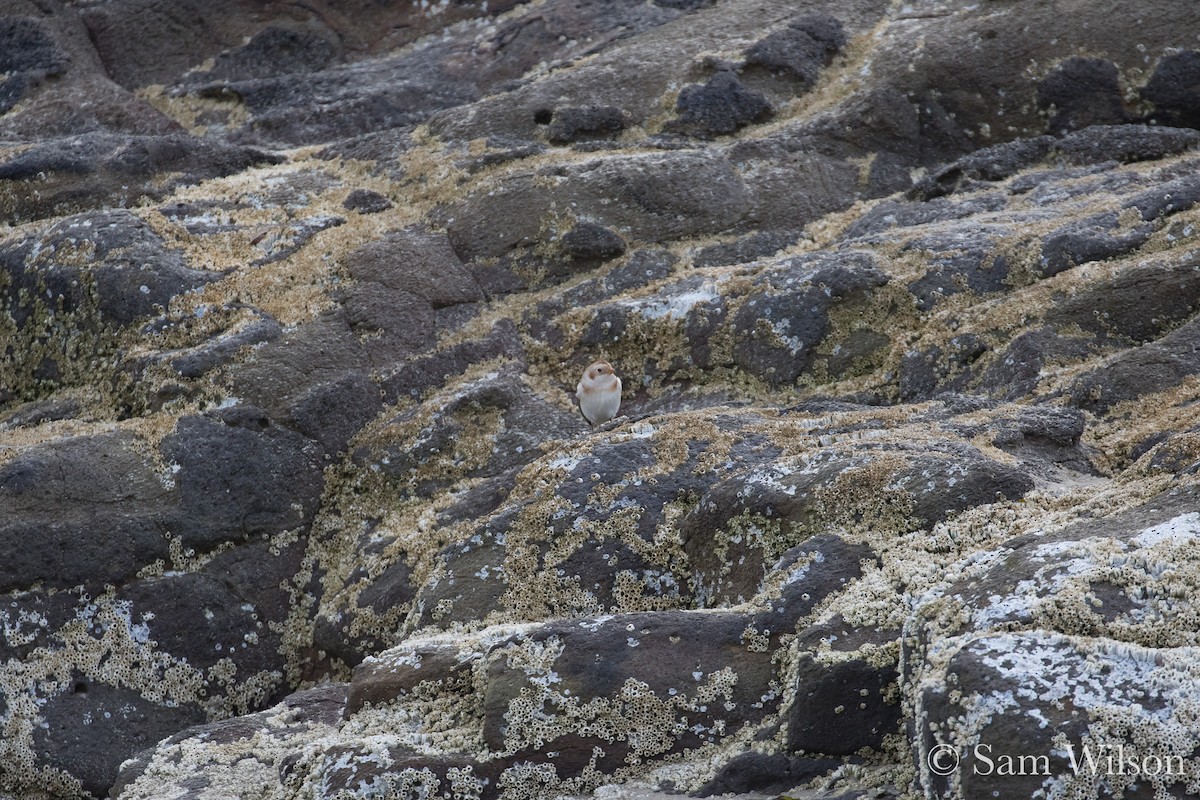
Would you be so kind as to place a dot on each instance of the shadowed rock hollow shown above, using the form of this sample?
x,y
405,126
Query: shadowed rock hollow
x,y
295,501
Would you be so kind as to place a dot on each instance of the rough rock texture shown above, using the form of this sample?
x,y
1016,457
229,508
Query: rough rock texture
x,y
295,500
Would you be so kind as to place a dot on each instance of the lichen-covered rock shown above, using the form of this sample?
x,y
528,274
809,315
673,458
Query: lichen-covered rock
x,y
30,56
238,744
70,288
738,529
1094,618
903,299
1131,374
1038,712
786,313
654,197
95,169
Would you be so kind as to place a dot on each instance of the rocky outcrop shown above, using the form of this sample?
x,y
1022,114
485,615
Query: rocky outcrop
x,y
296,501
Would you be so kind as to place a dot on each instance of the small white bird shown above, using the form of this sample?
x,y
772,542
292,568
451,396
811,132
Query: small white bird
x,y
599,392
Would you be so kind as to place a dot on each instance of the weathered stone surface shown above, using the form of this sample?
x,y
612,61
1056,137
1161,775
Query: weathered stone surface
x,y
71,287
303,714
61,494
115,723
415,262
656,196
272,52
800,50
746,248
787,314
753,771
959,263
1170,89
903,299
1064,592
1139,304
1123,726
240,476
365,201
1155,367
1082,92
590,242
719,106
1089,240
30,56
689,678
841,708
101,169
735,534
571,123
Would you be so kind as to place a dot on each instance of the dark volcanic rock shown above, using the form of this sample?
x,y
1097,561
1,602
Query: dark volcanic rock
x,y
331,413
575,123
239,476
199,618
927,372
747,248
1168,198
677,665
782,321
1172,90
365,201
291,83
255,327
589,242
1093,239
753,771
525,422
1139,304
1154,367
418,375
91,728
1127,143
28,55
98,169
658,197
59,495
719,106
312,711
959,263
70,289
132,274
903,297
415,262
841,708
995,676
735,535
988,164
273,51
1082,92
800,50
384,679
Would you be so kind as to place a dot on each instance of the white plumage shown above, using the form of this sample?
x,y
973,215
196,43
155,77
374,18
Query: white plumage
x,y
599,392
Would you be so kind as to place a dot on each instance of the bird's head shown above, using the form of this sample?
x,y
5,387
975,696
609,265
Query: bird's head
x,y
598,370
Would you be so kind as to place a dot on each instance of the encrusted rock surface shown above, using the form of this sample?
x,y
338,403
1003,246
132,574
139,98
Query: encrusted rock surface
x,y
295,501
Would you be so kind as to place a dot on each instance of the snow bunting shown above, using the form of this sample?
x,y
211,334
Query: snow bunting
x,y
599,392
